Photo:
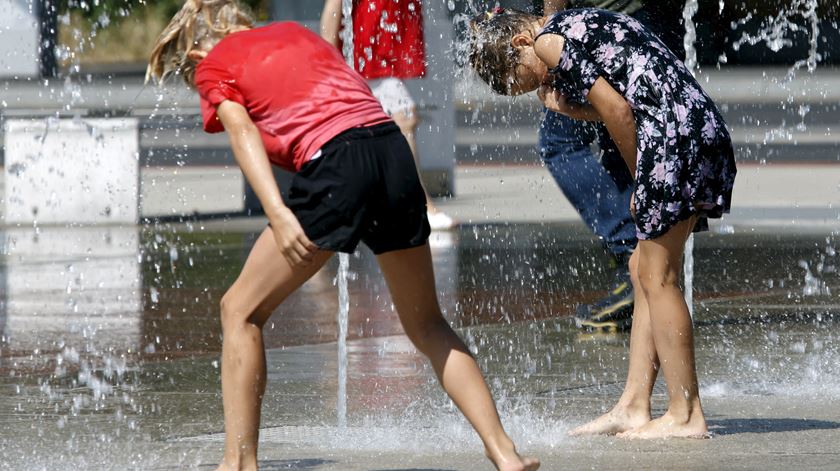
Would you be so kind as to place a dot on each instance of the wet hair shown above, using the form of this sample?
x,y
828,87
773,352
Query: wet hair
x,y
199,24
492,55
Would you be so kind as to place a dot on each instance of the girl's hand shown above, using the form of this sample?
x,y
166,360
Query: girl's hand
x,y
293,243
557,102
553,100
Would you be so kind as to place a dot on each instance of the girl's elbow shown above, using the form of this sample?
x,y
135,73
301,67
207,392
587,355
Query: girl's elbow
x,y
623,109
242,129
624,113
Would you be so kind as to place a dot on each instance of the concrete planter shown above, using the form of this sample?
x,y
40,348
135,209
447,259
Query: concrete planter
x,y
71,171
18,40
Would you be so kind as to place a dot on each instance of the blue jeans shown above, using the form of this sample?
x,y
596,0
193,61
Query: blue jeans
x,y
599,191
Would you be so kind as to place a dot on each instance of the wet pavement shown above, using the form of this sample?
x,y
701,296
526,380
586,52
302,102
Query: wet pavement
x,y
110,343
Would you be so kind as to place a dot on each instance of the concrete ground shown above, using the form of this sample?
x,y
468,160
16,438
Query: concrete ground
x,y
109,355
770,427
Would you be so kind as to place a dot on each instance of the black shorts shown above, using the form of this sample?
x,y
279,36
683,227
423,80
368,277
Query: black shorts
x,y
364,186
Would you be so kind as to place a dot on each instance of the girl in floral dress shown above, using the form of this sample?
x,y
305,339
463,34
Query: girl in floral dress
x,y
601,66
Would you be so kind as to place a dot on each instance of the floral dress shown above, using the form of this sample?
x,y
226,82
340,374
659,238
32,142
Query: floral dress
x,y
684,162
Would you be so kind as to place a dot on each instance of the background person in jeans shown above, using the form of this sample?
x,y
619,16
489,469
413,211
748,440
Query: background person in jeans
x,y
600,191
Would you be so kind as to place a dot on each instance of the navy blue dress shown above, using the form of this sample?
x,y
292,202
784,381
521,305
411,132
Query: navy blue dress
x,y
685,164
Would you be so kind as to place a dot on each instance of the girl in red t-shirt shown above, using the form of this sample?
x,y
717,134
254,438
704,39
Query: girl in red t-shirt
x,y
285,96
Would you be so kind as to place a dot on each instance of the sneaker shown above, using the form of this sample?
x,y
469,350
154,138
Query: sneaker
x,y
439,221
614,311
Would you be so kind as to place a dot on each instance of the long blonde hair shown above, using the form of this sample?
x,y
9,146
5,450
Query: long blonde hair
x,y
199,24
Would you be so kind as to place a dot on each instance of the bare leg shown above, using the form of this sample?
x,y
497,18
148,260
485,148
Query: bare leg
x,y
411,281
633,408
407,123
660,266
265,281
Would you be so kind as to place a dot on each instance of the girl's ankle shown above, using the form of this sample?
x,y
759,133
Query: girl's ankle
x,y
686,411
238,462
633,405
501,447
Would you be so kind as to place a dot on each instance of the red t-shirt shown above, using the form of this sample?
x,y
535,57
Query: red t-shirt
x,y
388,38
296,87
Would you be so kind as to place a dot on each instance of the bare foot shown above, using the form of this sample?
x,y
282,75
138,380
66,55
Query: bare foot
x,y
521,464
669,426
511,461
619,419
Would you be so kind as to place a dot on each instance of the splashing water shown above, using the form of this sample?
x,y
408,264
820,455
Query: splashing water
x,y
775,32
343,258
347,31
688,274
691,7
813,286
813,56
343,312
814,282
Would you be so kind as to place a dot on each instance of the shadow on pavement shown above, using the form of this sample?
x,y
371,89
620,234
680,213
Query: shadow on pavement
x,y
293,464
735,426
414,469
310,463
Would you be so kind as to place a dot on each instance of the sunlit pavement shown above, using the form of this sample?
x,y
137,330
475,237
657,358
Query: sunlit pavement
x,y
110,351
797,195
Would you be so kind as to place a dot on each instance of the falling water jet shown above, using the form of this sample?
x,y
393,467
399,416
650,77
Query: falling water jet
x,y
688,274
347,31
691,7
775,30
343,258
343,312
811,14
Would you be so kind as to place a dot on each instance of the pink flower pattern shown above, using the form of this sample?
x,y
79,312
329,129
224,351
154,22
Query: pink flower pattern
x,y
685,161
577,31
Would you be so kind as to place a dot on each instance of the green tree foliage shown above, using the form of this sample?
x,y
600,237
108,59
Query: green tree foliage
x,y
118,31
104,12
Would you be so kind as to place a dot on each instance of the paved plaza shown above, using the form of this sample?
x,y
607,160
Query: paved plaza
x,y
129,376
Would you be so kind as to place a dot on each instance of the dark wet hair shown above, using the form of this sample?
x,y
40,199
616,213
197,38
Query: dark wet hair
x,y
491,54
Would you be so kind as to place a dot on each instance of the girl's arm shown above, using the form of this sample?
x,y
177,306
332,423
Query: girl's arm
x,y
249,150
549,49
331,21
618,117
555,101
